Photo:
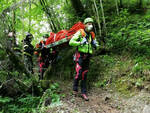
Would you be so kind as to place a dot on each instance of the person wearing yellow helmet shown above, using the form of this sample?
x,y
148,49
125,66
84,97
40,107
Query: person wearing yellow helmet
x,y
85,41
88,20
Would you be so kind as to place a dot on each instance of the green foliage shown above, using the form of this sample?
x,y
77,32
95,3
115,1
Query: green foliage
x,y
2,54
20,105
139,82
29,101
51,93
130,33
54,86
97,69
3,76
125,73
101,83
5,4
5,100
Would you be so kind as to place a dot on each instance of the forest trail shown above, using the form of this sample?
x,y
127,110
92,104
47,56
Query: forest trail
x,y
101,101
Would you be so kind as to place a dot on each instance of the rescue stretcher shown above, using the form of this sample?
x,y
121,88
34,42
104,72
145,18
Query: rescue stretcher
x,y
63,36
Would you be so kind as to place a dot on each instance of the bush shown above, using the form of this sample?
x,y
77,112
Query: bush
x,y
20,105
130,33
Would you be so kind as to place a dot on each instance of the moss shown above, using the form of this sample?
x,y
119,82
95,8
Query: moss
x,y
124,86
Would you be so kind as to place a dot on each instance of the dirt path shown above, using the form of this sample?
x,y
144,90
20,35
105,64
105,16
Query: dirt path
x,y
99,102
102,102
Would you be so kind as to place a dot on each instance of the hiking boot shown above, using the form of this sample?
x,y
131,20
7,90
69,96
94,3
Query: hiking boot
x,y
84,97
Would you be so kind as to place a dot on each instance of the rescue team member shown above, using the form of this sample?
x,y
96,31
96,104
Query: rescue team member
x,y
28,52
84,40
44,55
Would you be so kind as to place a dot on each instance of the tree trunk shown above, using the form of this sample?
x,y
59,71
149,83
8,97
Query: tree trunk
x,y
67,2
117,8
128,4
13,27
47,11
55,19
77,5
22,11
57,23
104,22
29,16
98,19
121,4
94,12
140,4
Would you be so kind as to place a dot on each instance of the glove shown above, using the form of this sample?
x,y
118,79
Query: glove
x,y
83,41
43,46
95,44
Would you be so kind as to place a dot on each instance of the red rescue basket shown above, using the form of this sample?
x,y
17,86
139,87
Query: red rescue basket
x,y
63,36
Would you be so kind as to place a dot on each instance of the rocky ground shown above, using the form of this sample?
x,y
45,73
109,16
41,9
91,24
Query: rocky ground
x,y
101,101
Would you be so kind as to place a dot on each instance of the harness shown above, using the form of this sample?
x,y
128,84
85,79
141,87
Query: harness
x,y
84,34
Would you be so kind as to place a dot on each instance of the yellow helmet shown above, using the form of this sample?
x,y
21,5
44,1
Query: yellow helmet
x,y
87,20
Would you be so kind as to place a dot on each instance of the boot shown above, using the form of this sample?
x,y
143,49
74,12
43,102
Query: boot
x,y
84,96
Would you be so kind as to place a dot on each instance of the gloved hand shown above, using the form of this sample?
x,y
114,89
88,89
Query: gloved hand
x,y
95,44
42,46
83,41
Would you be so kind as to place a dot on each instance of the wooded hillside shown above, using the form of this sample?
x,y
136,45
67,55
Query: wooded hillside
x,y
119,69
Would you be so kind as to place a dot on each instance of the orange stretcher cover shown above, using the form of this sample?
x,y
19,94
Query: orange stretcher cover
x,y
55,37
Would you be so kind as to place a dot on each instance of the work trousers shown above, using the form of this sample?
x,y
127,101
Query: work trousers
x,y
82,65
